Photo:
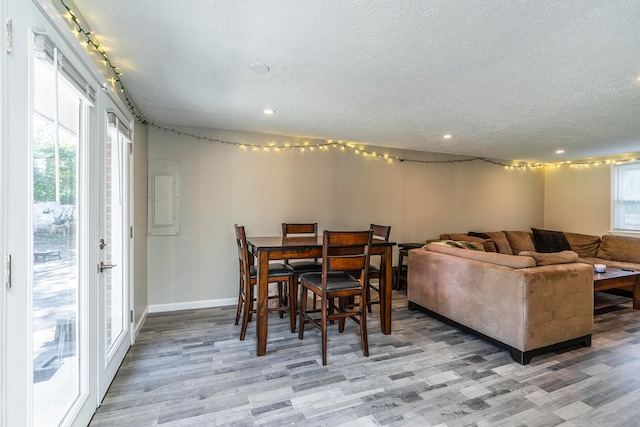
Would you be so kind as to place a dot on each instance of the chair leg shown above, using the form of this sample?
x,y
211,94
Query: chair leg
x,y
281,302
364,341
343,304
368,299
291,299
248,307
240,303
303,310
323,319
332,308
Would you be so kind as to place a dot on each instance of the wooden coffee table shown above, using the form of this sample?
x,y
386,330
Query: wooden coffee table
x,y
615,278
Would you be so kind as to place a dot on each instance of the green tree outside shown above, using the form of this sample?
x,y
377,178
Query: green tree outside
x,y
44,165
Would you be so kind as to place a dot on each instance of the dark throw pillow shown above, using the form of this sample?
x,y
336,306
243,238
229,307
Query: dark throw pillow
x,y
547,241
480,235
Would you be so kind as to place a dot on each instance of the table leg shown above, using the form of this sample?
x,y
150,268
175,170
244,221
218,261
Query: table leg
x,y
263,301
386,283
636,294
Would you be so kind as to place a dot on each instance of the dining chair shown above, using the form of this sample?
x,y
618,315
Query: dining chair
x,y
304,230
278,273
299,267
380,233
342,251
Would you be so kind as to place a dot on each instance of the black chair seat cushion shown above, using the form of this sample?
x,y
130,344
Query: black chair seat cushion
x,y
275,270
338,280
373,272
305,266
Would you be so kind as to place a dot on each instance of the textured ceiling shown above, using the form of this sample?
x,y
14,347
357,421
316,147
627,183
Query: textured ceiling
x,y
509,79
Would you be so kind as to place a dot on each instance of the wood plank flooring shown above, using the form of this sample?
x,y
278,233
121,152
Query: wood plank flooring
x,y
189,368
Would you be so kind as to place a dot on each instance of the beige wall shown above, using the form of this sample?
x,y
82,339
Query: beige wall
x,y
222,185
577,199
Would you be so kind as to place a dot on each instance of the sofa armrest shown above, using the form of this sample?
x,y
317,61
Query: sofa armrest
x,y
558,303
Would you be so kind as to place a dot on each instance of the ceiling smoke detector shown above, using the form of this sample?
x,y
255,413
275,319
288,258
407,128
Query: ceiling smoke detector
x,y
259,68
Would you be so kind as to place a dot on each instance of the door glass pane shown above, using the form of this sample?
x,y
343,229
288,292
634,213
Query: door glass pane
x,y
114,223
57,119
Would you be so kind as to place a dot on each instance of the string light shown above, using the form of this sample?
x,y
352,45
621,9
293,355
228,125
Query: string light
x,y
391,159
306,145
98,48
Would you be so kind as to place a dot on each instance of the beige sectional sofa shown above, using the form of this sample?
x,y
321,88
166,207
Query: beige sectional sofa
x,y
509,300
529,292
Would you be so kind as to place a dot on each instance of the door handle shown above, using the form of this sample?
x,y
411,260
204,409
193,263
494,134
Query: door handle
x,y
102,266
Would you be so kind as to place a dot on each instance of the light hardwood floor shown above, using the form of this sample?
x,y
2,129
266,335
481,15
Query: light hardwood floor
x,y
189,368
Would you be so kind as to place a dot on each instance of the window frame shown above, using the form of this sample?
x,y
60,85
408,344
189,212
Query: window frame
x,y
618,225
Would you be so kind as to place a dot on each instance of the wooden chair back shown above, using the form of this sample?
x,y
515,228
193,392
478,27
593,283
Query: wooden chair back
x,y
300,229
308,229
346,251
245,259
381,232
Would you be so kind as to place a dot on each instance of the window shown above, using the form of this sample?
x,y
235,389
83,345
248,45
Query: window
x,y
626,197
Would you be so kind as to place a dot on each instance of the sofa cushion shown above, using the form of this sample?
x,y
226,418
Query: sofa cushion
x,y
512,261
500,239
474,246
520,241
619,248
585,245
487,243
551,258
549,241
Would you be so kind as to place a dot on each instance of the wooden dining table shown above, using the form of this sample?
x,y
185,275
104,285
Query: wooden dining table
x,y
279,248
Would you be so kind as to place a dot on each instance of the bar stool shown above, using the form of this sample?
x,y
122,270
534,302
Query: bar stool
x,y
402,270
302,266
342,251
278,273
380,233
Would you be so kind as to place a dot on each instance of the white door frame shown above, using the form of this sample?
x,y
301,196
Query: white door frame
x,y
17,409
3,157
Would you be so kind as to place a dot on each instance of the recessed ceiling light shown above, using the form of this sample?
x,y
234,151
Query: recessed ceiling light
x,y
559,151
259,68
448,136
269,111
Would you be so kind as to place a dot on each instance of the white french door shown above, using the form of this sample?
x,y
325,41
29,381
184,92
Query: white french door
x,y
114,245
65,175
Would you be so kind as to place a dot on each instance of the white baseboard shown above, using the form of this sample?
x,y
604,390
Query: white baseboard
x,y
140,324
190,305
